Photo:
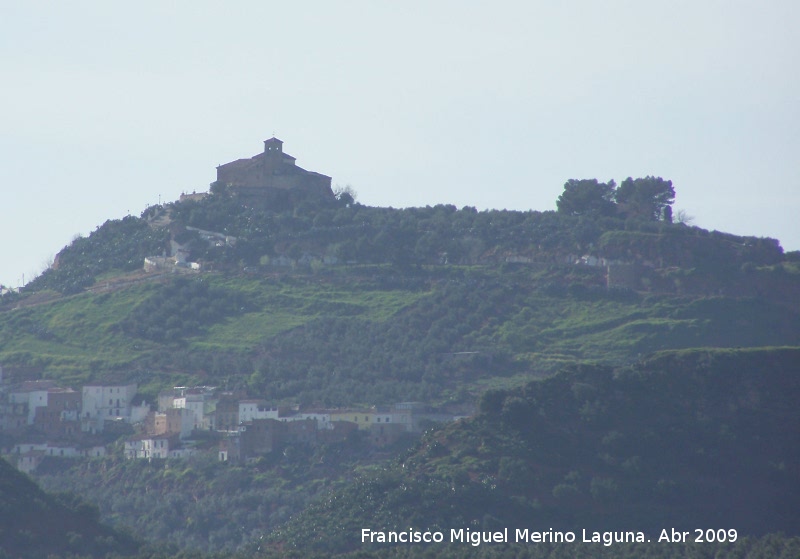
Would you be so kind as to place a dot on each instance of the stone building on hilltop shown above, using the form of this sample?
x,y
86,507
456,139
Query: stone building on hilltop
x,y
272,179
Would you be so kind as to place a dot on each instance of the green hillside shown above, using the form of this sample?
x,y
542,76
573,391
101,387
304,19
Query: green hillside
x,y
365,334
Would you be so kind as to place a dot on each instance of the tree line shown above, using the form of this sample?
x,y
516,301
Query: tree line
x,y
648,198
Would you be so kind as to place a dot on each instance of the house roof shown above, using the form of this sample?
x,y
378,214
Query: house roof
x,y
256,159
34,385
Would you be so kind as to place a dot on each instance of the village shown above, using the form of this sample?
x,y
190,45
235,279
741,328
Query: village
x,y
42,419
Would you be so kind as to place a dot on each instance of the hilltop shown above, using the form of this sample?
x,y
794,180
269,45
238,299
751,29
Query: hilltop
x,y
584,342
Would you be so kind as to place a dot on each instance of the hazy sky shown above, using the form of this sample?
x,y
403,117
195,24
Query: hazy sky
x,y
108,106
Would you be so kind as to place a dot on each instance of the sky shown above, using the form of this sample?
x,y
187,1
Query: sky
x,y
108,107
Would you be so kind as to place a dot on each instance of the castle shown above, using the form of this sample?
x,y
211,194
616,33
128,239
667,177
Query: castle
x,y
272,179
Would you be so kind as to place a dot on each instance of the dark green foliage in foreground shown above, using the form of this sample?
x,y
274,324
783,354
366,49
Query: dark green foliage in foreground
x,y
685,440
34,524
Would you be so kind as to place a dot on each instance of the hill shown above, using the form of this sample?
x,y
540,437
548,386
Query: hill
x,y
524,291
627,371
34,524
684,439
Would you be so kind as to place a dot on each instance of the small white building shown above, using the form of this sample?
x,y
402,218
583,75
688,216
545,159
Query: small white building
x,y
28,456
103,403
201,401
30,395
62,450
322,417
147,447
24,448
93,452
28,462
255,409
195,403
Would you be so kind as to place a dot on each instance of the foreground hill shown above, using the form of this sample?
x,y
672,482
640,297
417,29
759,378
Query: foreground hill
x,y
34,524
687,440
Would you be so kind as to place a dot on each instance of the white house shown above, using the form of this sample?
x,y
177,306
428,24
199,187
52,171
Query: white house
x,y
29,455
93,452
103,403
28,462
255,409
30,395
64,450
322,417
201,401
24,448
147,447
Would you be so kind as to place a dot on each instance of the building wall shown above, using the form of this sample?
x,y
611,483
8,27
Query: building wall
x,y
386,433
363,418
250,410
102,403
55,423
227,414
271,178
166,400
180,422
302,431
261,436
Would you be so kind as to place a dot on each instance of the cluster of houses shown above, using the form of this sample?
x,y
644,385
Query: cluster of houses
x,y
62,422
247,428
